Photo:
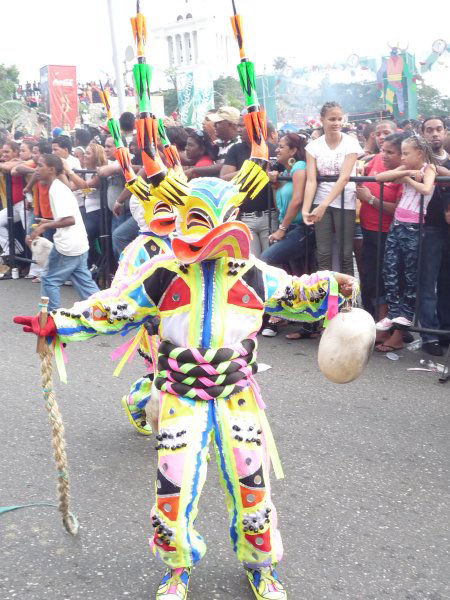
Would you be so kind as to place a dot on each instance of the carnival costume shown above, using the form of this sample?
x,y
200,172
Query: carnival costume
x,y
210,295
148,244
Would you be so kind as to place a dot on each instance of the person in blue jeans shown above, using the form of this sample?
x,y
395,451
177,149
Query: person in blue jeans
x,y
68,257
288,242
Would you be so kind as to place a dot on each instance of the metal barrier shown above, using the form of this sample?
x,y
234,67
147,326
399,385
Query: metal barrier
x,y
415,326
105,269
12,257
105,274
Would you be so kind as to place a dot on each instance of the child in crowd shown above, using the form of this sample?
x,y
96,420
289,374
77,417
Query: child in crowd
x,y
417,173
68,258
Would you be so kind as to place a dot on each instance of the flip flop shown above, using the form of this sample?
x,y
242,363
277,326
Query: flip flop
x,y
301,335
381,348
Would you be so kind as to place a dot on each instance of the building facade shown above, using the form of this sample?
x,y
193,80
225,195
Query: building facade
x,y
195,33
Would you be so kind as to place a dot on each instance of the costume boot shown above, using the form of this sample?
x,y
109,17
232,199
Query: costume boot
x,y
174,584
265,584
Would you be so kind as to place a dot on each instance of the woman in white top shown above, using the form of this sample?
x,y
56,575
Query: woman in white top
x,y
333,153
95,157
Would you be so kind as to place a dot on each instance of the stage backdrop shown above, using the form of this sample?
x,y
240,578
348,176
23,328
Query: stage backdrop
x,y
59,93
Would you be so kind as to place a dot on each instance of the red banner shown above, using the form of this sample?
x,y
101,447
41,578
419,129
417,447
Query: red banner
x,y
59,89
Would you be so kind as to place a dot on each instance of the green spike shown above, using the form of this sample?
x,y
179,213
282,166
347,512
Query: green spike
x,y
114,128
246,72
142,73
163,133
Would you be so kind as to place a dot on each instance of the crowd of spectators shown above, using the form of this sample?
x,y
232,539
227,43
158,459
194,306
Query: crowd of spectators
x,y
297,222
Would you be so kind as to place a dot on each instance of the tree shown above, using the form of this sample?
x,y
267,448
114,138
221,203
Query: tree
x,y
170,101
9,78
227,92
431,102
355,98
280,63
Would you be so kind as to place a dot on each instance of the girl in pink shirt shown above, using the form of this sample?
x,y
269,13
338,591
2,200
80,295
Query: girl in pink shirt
x,y
417,174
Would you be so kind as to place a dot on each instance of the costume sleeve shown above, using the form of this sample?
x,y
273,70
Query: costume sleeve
x,y
122,307
307,298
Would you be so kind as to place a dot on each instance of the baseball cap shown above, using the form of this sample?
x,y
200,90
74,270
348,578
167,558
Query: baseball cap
x,y
228,113
213,116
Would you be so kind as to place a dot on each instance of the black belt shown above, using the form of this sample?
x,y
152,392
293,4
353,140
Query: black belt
x,y
256,213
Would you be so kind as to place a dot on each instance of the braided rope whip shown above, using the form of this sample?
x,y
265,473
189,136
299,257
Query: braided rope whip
x,y
58,442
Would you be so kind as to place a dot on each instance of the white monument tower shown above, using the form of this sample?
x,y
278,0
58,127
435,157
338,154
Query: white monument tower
x,y
194,33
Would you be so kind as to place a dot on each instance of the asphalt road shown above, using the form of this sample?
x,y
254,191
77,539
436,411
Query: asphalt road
x,y
364,506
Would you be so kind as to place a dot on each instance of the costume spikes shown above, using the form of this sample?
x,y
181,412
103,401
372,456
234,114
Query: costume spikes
x,y
104,95
146,125
142,74
246,72
236,23
140,189
251,179
256,126
255,120
122,155
170,150
113,124
163,133
139,25
172,189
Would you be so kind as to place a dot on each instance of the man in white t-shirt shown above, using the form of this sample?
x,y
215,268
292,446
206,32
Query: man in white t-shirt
x,y
68,258
62,147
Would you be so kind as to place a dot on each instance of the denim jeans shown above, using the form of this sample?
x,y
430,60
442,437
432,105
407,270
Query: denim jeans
x,y
117,221
434,246
123,235
291,247
60,268
400,264
443,289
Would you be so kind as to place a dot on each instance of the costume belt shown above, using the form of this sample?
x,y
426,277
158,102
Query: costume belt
x,y
210,373
205,373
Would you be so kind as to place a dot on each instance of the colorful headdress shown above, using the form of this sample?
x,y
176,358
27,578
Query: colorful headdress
x,y
204,211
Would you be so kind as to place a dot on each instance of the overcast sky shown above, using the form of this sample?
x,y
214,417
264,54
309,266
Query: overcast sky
x,y
77,32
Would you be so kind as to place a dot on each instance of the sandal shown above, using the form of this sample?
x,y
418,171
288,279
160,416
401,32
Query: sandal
x,y
386,348
302,335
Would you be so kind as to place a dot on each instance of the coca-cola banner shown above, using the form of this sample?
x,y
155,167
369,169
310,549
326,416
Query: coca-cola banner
x,y
59,93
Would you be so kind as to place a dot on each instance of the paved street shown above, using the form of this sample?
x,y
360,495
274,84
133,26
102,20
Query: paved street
x,y
364,506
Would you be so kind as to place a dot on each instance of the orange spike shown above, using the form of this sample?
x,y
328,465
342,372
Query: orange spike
x,y
123,157
256,126
151,165
236,23
139,25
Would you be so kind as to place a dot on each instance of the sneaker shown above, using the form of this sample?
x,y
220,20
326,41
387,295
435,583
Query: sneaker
x,y
384,325
137,417
270,330
174,585
433,348
265,584
403,321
